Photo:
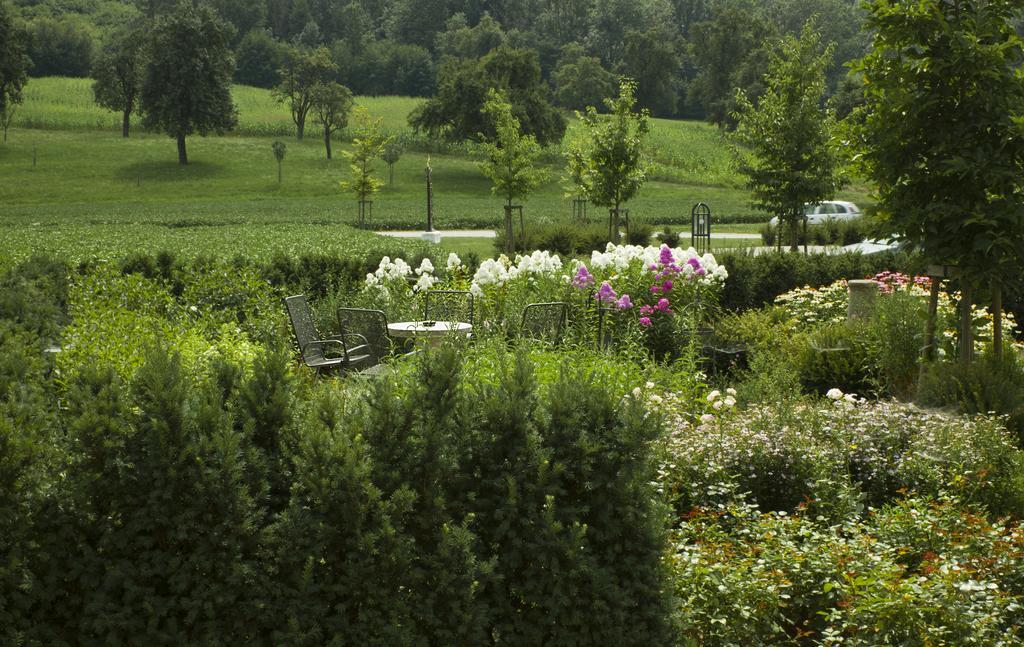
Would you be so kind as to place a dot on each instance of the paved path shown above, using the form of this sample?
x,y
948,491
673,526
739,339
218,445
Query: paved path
x,y
490,233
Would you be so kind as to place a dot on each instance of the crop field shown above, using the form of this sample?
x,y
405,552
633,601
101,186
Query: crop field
x,y
72,184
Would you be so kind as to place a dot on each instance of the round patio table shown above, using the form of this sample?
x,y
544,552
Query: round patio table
x,y
431,333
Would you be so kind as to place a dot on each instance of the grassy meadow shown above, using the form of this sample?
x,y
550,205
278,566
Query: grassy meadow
x,y
72,185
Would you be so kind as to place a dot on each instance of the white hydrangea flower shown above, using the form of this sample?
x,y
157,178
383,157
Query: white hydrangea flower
x,y
834,394
426,267
424,283
454,262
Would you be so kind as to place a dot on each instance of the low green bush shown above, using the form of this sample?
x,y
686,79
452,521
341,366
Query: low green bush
x,y
988,385
558,238
827,456
830,232
755,281
914,572
835,356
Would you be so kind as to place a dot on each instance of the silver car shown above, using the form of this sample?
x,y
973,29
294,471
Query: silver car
x,y
827,210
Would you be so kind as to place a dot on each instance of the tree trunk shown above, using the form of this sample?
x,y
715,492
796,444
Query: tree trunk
x,y
614,217
182,155
125,123
966,329
300,128
391,173
522,229
794,236
327,141
509,234
997,320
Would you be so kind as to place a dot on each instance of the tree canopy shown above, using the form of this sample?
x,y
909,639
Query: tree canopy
x,y
942,133
303,71
607,158
788,156
117,74
456,111
511,163
186,86
14,65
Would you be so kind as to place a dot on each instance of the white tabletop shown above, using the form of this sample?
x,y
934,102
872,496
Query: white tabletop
x,y
428,328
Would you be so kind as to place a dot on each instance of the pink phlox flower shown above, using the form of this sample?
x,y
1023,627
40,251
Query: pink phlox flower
x,y
624,302
605,293
645,321
583,279
700,271
666,257
655,289
666,286
694,263
663,306
646,309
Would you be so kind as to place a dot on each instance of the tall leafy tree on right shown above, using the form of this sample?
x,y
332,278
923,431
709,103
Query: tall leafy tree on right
x,y
942,137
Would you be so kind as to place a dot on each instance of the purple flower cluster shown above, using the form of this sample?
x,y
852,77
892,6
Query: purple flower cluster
x,y
606,294
583,279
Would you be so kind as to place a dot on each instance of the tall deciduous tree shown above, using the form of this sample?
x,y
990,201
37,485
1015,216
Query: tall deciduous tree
x,y
462,85
608,155
304,70
943,134
789,159
186,86
579,80
366,147
14,65
117,74
511,159
331,104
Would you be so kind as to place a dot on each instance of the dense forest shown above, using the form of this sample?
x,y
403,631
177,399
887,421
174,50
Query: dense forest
x,y
687,56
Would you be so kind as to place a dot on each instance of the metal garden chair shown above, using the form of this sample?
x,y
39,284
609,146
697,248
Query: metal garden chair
x,y
344,352
449,305
372,325
545,321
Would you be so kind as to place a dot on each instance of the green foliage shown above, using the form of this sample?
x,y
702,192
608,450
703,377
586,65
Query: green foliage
x,y
830,457
331,103
830,232
835,356
14,65
563,239
990,385
791,160
580,80
118,76
941,134
455,111
60,46
366,147
608,157
186,86
303,70
914,572
755,281
259,57
511,155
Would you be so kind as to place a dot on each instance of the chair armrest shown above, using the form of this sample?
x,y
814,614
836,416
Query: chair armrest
x,y
323,343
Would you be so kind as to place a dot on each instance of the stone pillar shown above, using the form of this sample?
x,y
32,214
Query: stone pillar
x,y
862,299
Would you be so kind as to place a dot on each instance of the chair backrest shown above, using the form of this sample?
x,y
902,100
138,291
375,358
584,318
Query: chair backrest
x,y
303,327
545,320
449,305
371,324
